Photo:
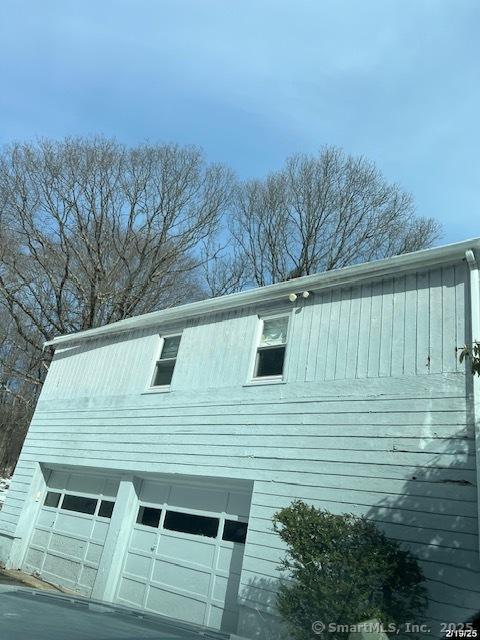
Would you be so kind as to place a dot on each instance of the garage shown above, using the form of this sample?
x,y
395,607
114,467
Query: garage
x,y
68,537
185,553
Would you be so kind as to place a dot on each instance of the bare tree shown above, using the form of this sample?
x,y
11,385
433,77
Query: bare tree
x,y
323,212
224,269
17,397
93,232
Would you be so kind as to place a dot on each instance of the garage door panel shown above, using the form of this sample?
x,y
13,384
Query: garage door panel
x,y
220,586
34,559
69,546
196,498
175,605
226,619
225,588
75,524
41,538
138,565
199,551
65,582
100,530
94,553
230,558
181,577
87,577
132,591
144,540
61,567
46,518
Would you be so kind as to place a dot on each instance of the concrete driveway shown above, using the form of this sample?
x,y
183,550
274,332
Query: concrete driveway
x,y
49,615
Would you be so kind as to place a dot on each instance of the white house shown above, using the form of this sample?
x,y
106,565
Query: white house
x,y
162,445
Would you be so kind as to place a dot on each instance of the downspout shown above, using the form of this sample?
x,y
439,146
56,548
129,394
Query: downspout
x,y
475,337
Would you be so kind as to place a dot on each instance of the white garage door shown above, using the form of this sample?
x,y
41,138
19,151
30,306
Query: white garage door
x,y
68,537
185,553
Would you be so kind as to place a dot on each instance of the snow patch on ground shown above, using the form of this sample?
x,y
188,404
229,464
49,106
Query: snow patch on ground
x,y
4,484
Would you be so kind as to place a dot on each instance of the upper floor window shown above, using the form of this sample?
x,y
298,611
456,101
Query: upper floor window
x,y
166,363
270,356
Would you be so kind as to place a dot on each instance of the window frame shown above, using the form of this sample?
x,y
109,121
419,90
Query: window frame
x,y
278,378
164,387
191,514
68,495
221,516
144,506
78,494
227,520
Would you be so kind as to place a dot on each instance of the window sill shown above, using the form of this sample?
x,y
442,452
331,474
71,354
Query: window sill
x,y
260,382
165,389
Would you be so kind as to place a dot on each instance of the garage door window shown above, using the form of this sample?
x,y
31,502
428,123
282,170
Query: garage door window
x,y
149,517
52,499
106,509
81,504
234,531
191,523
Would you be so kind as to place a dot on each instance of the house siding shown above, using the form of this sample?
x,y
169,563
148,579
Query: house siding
x,y
409,325
374,419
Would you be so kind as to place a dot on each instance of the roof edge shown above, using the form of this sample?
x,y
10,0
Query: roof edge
x,y
315,282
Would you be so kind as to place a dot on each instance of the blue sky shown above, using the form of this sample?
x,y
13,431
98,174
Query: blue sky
x,y
254,81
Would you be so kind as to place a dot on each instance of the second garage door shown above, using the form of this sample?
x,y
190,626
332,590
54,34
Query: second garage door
x,y
186,551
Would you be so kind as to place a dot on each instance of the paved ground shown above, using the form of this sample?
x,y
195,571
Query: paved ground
x,y
7,579
47,615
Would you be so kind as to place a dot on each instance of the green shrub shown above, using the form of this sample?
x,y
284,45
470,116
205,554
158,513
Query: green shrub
x,y
472,353
343,570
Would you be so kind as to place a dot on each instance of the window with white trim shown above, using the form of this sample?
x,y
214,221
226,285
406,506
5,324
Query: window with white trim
x,y
165,365
270,356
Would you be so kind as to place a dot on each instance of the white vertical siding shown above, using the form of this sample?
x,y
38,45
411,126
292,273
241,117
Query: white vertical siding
x,y
423,323
364,331
386,330
399,350
408,325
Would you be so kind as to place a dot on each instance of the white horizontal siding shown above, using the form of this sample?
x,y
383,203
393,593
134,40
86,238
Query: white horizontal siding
x,y
403,455
16,495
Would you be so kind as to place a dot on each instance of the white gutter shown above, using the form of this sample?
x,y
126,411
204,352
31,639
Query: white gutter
x,y
475,337
316,282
